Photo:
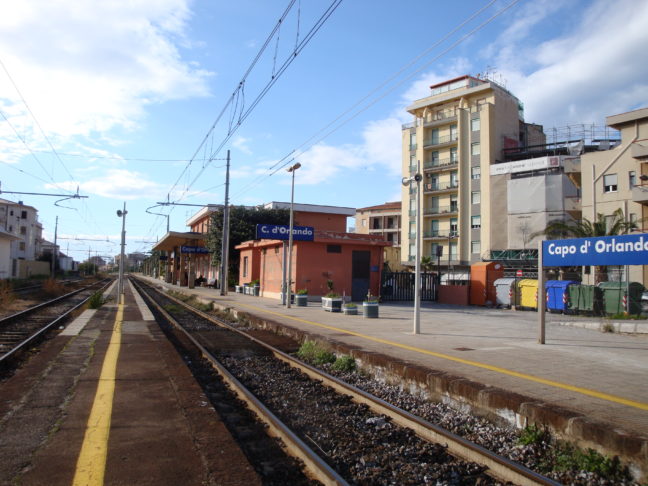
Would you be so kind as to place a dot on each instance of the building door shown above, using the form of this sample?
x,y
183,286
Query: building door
x,y
360,272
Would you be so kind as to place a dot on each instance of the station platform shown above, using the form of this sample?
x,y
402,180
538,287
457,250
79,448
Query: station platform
x,y
589,386
110,401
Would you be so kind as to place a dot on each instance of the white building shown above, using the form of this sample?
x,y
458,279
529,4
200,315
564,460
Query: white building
x,y
21,221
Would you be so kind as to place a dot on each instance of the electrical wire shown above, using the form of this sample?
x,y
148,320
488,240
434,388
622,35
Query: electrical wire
x,y
282,163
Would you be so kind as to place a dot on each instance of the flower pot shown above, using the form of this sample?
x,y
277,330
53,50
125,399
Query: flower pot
x,y
332,304
350,311
370,309
301,300
255,290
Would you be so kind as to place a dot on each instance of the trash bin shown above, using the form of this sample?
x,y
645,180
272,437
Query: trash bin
x,y
615,293
585,299
528,292
504,289
558,294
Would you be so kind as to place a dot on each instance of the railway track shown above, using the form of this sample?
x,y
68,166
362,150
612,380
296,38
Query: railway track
x,y
341,434
21,330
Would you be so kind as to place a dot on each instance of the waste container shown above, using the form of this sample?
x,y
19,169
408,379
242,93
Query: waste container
x,y
615,293
528,292
585,299
558,294
504,289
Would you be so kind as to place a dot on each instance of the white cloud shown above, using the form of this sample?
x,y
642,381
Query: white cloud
x,y
88,67
117,184
241,143
595,70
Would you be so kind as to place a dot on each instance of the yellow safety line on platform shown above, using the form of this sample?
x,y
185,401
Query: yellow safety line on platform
x,y
91,465
477,364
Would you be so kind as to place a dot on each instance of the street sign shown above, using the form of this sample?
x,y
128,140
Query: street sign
x,y
602,250
518,273
282,232
193,249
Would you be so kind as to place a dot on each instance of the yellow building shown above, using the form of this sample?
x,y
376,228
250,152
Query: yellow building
x,y
618,179
458,132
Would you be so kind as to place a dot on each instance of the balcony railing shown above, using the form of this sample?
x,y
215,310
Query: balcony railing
x,y
440,164
440,234
439,140
440,187
441,210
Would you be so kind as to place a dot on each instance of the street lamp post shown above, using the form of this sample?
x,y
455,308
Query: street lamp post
x,y
407,181
291,169
120,287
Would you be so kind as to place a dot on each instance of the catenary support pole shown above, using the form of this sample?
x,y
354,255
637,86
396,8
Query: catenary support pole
x,y
225,238
541,297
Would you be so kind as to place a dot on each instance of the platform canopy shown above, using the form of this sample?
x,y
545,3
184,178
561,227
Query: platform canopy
x,y
174,239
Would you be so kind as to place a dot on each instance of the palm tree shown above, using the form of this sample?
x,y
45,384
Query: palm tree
x,y
584,228
426,263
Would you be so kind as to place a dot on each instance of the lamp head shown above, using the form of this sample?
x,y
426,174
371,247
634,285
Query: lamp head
x,y
406,181
294,167
119,213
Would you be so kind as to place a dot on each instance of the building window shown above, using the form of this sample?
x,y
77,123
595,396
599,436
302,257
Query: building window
x,y
475,247
475,124
23,215
363,223
454,227
475,148
245,266
23,230
453,154
475,222
610,183
475,197
21,246
333,248
632,178
453,132
475,172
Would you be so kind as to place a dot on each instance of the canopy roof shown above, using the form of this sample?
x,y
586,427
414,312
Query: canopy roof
x,y
174,239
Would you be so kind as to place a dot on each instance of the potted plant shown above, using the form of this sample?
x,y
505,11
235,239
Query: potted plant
x,y
370,306
301,299
332,302
350,309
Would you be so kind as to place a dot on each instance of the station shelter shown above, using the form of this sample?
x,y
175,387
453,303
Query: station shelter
x,y
351,262
182,253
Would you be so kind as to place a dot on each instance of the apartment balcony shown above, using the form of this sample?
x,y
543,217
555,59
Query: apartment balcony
x,y
640,194
441,118
439,235
639,151
407,126
429,188
573,203
438,141
441,210
440,164
412,212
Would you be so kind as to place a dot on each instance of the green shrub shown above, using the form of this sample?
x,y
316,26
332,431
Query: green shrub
x,y
311,352
532,434
96,300
344,363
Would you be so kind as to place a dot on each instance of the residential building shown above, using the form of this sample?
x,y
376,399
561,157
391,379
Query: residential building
x,y
21,220
385,220
5,252
618,179
458,133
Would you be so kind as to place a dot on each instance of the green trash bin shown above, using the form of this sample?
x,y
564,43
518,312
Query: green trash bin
x,y
585,299
614,294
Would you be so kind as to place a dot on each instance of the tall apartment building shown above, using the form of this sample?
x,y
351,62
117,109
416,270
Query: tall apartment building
x,y
458,133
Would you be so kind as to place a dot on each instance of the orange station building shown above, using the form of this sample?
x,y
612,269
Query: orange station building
x,y
353,262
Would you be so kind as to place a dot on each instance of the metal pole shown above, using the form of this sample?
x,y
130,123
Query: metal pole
x,y
541,297
120,290
283,272
225,237
54,252
290,237
417,267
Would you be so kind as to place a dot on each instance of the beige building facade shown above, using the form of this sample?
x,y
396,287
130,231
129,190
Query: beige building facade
x,y
385,220
458,133
618,179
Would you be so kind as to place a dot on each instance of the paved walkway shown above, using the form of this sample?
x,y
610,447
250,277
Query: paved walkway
x,y
602,375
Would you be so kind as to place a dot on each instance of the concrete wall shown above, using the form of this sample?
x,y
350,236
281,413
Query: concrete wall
x,y
31,268
5,258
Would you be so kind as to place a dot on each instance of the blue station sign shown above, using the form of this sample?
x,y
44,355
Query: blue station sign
x,y
282,232
601,250
193,249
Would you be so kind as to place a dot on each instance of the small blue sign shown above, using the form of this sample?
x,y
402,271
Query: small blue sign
x,y
282,232
601,250
193,249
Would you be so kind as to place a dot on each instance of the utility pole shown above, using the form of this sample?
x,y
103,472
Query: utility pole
x,y
225,238
54,252
120,288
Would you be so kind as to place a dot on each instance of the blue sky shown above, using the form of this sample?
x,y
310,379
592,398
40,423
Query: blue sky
x,y
115,98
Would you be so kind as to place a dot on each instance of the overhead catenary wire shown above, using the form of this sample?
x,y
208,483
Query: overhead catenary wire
x,y
322,134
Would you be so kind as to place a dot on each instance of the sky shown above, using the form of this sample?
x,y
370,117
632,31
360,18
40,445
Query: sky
x,y
137,102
